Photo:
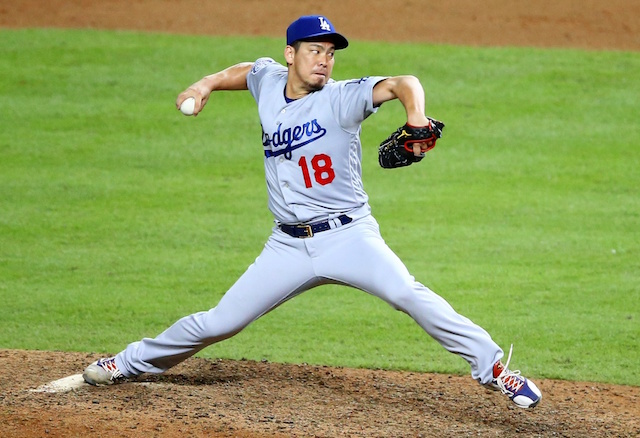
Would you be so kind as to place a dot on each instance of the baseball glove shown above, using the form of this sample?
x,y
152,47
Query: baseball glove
x,y
397,150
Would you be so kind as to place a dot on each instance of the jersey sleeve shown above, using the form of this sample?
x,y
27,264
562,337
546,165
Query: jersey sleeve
x,y
354,101
261,68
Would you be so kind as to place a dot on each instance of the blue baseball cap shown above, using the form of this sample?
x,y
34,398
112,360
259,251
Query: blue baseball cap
x,y
314,27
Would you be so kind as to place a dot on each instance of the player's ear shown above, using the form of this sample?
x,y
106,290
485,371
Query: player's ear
x,y
289,53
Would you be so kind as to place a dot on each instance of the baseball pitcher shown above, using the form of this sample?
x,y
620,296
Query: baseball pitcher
x,y
324,231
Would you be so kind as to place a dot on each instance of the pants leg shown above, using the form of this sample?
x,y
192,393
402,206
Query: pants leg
x,y
360,258
282,271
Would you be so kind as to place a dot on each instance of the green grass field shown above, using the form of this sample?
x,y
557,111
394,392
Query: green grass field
x,y
118,215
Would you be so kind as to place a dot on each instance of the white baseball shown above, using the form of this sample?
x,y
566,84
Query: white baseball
x,y
188,106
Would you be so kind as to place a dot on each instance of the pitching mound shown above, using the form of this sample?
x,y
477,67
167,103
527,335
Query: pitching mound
x,y
225,398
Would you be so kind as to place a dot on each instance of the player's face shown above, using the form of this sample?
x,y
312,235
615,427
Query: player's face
x,y
312,64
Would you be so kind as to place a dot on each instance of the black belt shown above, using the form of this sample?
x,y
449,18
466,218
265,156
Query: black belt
x,y
308,230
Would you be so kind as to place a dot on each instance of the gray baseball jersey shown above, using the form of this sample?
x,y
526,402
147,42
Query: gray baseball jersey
x,y
312,145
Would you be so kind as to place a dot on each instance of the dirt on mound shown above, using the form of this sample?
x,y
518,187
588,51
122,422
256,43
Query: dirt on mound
x,y
256,399
222,398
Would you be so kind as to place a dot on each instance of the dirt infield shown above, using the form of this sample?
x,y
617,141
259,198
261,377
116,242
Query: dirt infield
x,y
590,24
257,399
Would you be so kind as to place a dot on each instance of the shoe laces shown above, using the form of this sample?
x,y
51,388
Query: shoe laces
x,y
508,381
109,365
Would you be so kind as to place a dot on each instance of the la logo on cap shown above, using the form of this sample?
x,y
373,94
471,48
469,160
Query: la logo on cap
x,y
324,25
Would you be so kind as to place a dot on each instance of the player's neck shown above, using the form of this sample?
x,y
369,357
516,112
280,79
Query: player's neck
x,y
297,89
293,92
